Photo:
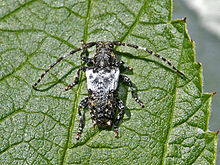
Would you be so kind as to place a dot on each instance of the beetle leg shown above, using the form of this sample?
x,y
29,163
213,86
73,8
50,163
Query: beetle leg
x,y
82,104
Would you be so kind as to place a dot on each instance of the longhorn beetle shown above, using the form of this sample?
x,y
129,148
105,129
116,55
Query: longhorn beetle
x,y
102,76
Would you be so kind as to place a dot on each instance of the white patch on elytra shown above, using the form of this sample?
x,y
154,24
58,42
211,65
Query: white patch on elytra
x,y
102,80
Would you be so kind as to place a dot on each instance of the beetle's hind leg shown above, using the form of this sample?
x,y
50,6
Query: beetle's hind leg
x,y
121,107
82,104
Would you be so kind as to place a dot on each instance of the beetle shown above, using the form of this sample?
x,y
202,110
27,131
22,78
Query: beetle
x,y
103,74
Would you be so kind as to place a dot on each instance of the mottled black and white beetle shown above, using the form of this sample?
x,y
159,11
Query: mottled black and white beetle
x,y
102,82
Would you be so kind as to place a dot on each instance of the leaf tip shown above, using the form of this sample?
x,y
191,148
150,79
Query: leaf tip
x,y
199,63
217,132
213,93
184,19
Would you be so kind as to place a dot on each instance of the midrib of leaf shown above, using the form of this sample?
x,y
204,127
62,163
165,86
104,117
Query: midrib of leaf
x,y
87,20
79,87
76,100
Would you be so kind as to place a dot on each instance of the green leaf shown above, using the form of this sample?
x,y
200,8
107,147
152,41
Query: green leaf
x,y
39,127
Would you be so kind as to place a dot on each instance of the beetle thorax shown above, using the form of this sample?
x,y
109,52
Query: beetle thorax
x,y
104,56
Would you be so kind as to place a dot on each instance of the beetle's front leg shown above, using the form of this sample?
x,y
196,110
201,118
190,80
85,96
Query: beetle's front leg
x,y
121,64
85,58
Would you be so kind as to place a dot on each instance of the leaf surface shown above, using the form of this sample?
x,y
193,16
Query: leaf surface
x,y
39,127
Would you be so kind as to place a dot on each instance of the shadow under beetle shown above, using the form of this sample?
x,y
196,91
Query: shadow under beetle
x,y
102,82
